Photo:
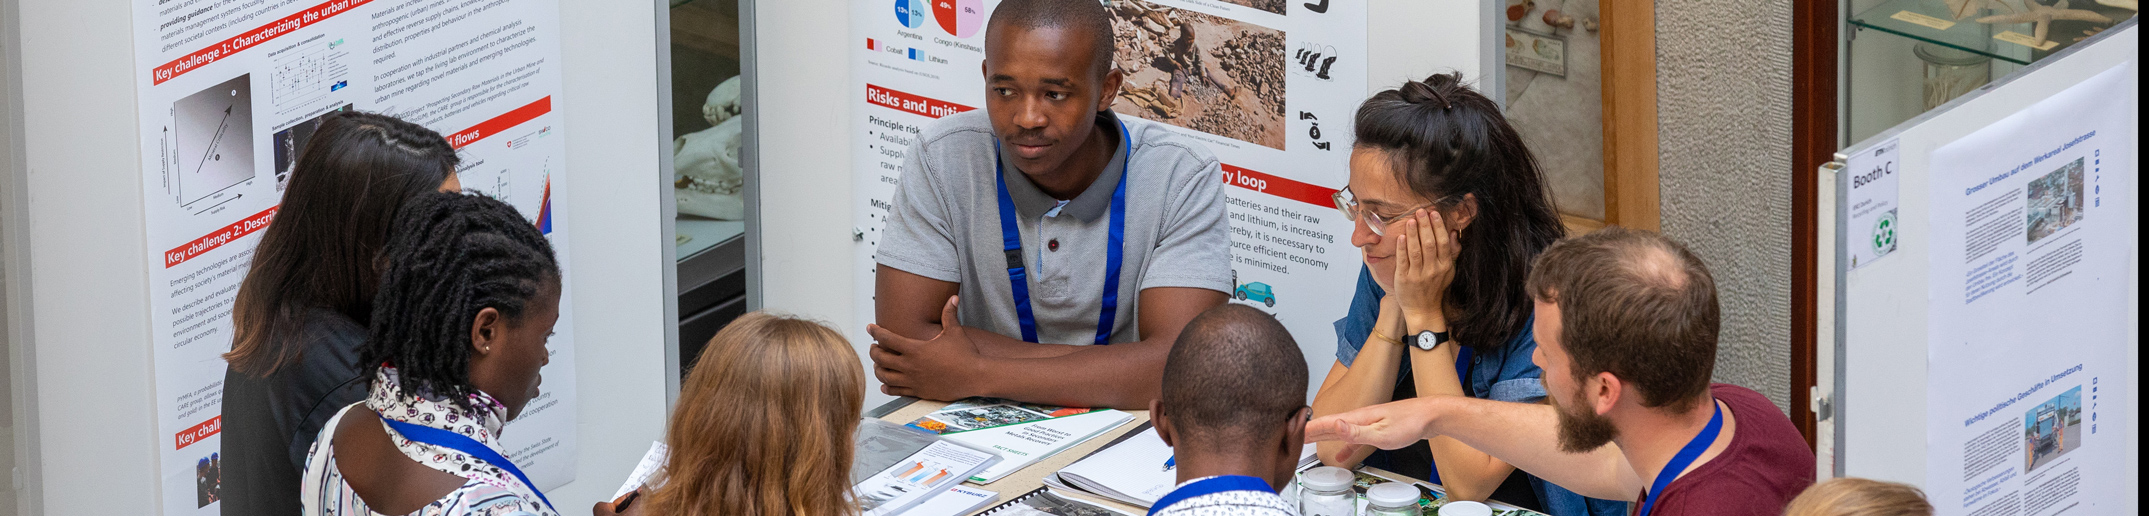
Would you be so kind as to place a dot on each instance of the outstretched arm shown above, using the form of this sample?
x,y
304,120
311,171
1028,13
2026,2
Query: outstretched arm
x,y
1368,381
1525,435
918,354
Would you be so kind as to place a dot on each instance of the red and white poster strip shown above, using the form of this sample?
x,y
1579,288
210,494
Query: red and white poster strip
x,y
1268,85
229,92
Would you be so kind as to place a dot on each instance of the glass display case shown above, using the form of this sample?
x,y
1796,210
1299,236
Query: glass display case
x,y
1905,57
707,180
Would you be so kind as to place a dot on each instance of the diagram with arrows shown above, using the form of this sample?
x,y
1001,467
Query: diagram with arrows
x,y
213,144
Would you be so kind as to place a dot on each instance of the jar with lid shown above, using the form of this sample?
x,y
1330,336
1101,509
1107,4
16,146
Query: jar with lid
x,y
1326,491
1392,499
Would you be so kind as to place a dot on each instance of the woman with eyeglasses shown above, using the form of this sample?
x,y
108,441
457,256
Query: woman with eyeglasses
x,y
1449,209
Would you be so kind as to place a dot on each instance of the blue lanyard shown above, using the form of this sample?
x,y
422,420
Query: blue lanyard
x,y
1011,245
462,443
1684,458
1210,486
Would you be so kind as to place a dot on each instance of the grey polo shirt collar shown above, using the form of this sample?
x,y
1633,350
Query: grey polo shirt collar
x,y
1032,202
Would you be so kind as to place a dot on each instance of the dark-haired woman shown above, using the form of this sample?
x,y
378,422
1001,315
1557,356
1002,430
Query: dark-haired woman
x,y
453,353
1450,208
302,310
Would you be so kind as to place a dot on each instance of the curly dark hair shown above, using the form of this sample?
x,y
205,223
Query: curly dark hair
x,y
449,257
1446,140
353,175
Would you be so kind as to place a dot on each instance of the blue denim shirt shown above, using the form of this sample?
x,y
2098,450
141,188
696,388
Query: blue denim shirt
x,y
1505,373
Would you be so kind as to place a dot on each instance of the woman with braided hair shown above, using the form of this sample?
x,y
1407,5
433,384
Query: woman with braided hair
x,y
1450,208
301,313
457,339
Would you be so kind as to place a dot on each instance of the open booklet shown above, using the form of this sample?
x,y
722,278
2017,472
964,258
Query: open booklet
x,y
1132,469
901,470
1022,433
931,471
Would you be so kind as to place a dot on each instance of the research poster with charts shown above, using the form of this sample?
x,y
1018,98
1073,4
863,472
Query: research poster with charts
x,y
2035,228
230,91
1269,86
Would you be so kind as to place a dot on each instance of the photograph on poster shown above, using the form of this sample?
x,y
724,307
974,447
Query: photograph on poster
x,y
2055,200
2053,428
208,480
292,139
214,138
1200,72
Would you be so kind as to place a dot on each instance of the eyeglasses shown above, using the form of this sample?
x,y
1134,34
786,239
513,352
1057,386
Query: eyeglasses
x,y
1348,203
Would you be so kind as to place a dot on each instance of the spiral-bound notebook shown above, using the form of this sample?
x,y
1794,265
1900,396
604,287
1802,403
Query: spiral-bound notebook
x,y
1042,501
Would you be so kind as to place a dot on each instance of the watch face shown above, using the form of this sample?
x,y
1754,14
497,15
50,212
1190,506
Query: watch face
x,y
1427,340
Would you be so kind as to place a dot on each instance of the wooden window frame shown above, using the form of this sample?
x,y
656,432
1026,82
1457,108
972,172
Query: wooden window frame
x,y
1628,43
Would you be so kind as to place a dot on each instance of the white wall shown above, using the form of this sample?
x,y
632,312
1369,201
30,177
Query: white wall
x,y
85,372
803,110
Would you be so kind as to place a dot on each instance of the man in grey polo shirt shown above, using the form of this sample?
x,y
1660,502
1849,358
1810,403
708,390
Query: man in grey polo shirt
x,y
952,288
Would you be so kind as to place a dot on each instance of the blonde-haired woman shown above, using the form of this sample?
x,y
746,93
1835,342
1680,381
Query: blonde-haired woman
x,y
1859,497
763,425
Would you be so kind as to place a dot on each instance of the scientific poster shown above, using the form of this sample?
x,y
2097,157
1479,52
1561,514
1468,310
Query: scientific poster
x,y
229,92
1268,85
2034,225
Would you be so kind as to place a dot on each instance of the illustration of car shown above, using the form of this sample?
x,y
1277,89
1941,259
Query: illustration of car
x,y
1256,291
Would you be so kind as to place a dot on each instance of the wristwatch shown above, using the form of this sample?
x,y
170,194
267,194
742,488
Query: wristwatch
x,y
1429,339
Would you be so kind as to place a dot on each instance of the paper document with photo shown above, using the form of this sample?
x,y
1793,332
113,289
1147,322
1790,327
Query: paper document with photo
x,y
1022,433
2035,228
924,474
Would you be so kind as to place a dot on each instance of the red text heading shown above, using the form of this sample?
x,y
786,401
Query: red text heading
x,y
218,238
1302,192
501,123
933,108
198,432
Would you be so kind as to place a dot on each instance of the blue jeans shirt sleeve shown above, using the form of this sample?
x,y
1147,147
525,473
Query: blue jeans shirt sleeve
x,y
1357,322
1508,373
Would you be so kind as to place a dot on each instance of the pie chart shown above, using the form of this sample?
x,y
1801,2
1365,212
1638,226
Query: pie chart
x,y
910,12
961,18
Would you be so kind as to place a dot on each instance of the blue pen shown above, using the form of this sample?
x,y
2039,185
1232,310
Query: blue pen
x,y
1171,462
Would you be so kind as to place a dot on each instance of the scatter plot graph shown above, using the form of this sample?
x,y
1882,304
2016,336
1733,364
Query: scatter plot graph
x,y
213,140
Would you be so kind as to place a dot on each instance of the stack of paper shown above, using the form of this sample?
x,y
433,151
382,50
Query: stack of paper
x,y
1021,433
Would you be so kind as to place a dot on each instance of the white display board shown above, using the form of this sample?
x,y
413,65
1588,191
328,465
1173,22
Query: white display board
x,y
1268,87
1989,334
228,93
90,433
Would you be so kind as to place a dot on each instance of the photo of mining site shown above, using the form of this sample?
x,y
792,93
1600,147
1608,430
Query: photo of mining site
x,y
1200,72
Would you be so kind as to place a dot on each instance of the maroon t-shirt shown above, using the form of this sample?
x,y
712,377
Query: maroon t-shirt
x,y
1765,466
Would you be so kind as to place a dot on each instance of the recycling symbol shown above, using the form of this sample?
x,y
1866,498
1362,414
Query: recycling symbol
x,y
1884,233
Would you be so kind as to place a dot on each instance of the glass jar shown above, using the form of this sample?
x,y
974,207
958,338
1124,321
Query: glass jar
x,y
1950,73
1326,491
1465,508
1392,499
